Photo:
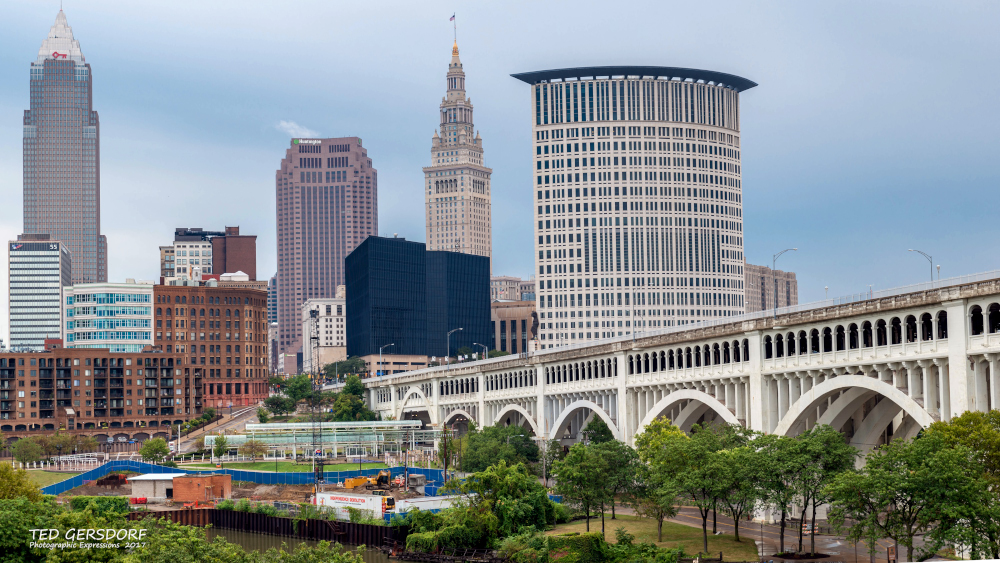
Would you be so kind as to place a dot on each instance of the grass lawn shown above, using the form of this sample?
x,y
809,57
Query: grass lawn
x,y
674,535
46,478
285,466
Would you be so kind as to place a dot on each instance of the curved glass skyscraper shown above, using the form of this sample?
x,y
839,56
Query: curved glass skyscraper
x,y
638,199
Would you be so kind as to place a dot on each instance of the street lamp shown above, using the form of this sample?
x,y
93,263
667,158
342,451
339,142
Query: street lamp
x,y
449,343
774,282
379,370
929,259
486,351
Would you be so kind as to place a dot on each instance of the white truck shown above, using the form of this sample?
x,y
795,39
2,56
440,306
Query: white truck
x,y
373,506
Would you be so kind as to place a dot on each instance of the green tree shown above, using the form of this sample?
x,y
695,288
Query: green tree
x,y
277,382
980,433
783,461
208,414
655,496
827,455
348,407
740,477
497,353
253,448
16,483
299,388
597,431
578,479
553,452
279,405
492,444
623,465
512,495
353,384
220,446
262,415
155,450
27,450
690,465
908,489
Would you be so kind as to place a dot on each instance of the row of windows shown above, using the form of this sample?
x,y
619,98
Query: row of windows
x,y
636,100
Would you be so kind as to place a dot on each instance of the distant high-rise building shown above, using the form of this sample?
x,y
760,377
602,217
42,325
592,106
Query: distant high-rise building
x,y
323,324
638,199
760,284
233,252
457,190
399,293
62,155
191,252
39,268
272,300
510,288
327,203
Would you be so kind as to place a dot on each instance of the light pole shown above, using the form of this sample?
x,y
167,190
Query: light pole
x,y
486,351
774,282
929,259
379,370
449,343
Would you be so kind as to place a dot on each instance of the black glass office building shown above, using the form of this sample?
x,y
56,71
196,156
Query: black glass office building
x,y
400,294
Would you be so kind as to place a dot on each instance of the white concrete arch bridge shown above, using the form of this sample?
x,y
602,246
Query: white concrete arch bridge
x,y
875,367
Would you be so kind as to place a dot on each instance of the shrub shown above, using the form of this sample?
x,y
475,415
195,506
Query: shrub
x,y
586,548
562,513
243,505
169,464
266,509
101,506
226,505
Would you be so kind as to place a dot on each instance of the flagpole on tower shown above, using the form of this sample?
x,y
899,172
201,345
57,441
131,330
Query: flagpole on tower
x,y
455,25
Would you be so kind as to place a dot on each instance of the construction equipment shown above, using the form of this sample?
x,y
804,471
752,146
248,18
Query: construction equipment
x,y
381,481
352,482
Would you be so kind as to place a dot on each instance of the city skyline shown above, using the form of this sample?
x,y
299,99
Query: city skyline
x,y
838,131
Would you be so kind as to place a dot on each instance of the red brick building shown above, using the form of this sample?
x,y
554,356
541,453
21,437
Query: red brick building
x,y
202,488
221,334
235,253
96,392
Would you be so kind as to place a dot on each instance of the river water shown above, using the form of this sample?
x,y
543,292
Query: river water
x,y
263,542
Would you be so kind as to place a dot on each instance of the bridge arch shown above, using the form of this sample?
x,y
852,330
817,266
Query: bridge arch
x,y
563,419
518,409
457,412
415,391
700,402
808,401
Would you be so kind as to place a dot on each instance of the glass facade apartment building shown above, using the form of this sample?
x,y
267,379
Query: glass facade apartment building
x,y
399,293
62,154
38,268
638,199
115,316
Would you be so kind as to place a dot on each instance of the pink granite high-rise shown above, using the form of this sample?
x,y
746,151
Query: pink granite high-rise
x,y
327,203
62,155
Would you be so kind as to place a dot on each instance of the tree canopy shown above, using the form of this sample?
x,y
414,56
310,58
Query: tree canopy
x,y
488,446
154,450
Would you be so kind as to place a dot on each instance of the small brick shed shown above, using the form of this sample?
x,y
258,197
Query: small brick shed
x,y
202,488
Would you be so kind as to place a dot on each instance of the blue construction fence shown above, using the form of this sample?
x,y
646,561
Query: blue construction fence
x,y
435,477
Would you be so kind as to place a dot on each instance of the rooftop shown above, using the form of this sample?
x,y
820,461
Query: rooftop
x,y
666,72
157,477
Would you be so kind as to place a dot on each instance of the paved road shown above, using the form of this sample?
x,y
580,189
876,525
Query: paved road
x,y
238,420
838,548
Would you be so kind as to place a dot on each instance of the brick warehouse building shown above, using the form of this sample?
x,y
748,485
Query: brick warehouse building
x,y
97,392
221,333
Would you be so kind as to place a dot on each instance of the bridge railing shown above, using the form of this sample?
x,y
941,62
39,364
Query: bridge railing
x,y
832,302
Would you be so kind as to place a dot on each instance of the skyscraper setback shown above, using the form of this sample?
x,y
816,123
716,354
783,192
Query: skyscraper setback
x,y
327,203
62,156
457,194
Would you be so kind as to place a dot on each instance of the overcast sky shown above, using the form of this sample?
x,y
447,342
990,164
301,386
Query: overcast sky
x,y
870,133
